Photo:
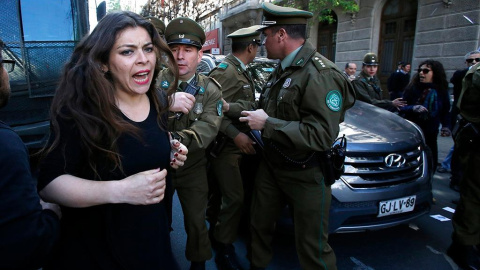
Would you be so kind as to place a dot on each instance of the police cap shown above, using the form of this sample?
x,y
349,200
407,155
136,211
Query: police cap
x,y
185,31
159,25
370,59
247,34
284,15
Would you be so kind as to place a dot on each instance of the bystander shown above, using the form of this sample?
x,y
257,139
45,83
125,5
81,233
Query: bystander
x,y
350,70
29,227
398,80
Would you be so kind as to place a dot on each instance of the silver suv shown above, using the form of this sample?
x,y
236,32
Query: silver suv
x,y
388,172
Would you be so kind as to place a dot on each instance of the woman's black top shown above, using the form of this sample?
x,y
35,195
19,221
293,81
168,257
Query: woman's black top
x,y
112,236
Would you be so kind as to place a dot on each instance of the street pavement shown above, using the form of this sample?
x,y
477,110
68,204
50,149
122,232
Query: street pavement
x,y
419,245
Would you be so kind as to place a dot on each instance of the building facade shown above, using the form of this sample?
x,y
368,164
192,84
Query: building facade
x,y
396,30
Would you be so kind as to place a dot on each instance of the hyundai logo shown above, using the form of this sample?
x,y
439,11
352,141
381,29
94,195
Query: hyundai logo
x,y
394,160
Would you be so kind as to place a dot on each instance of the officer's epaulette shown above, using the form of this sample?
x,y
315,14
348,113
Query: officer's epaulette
x,y
215,81
319,63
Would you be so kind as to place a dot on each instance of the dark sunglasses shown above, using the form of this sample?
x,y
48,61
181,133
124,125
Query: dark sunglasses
x,y
424,70
9,65
471,60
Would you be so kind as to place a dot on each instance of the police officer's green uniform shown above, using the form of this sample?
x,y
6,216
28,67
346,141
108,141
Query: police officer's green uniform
x,y
196,130
237,84
305,103
367,88
466,220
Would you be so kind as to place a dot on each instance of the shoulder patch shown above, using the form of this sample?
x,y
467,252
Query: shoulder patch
x,y
223,65
164,84
334,100
219,107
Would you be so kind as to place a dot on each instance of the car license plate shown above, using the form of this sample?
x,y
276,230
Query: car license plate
x,y
396,206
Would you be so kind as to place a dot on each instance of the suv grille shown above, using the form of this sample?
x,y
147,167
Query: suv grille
x,y
369,171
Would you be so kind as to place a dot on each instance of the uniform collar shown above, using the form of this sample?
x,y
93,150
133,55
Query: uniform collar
x,y
242,65
188,81
288,60
367,77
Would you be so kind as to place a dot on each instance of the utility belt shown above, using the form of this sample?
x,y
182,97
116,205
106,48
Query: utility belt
x,y
463,124
470,131
216,147
218,144
331,162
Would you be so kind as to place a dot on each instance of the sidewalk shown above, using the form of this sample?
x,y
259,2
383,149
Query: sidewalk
x,y
441,190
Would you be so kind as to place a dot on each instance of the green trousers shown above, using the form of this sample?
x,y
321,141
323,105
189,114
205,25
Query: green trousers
x,y
306,193
226,172
466,220
192,189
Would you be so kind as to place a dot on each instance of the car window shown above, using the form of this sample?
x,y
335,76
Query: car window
x,y
260,71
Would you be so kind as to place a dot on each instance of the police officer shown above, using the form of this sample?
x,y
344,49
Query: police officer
x,y
299,113
466,220
159,25
195,129
367,86
237,84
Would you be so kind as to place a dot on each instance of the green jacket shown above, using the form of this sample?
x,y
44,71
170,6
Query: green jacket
x,y
370,91
237,84
305,105
200,127
469,99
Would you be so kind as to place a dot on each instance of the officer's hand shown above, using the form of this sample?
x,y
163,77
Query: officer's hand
x,y
178,154
181,102
419,109
225,106
255,119
244,143
398,103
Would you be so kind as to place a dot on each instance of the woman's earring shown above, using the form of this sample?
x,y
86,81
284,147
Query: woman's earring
x,y
104,69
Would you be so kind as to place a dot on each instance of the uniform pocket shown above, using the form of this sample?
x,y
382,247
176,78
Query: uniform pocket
x,y
247,92
287,108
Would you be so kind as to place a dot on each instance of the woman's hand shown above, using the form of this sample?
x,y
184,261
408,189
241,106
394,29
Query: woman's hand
x,y
143,188
419,109
178,154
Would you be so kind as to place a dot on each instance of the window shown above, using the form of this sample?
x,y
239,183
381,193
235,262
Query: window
x,y
47,20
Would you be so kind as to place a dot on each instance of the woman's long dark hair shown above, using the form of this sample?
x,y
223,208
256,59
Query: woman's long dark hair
x,y
439,77
86,95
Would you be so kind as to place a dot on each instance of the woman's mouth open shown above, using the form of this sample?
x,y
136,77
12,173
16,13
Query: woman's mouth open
x,y
141,77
